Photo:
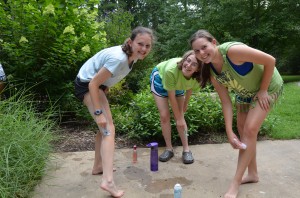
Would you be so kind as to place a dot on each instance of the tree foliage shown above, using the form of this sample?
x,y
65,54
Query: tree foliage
x,y
117,21
47,41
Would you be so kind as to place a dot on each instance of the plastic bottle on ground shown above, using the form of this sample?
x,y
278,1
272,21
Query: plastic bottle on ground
x,y
134,154
177,191
153,156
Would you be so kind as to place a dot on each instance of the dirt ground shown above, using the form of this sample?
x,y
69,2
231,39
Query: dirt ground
x,y
74,136
80,137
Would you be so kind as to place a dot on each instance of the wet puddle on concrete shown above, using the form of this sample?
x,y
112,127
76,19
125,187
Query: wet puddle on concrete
x,y
77,159
84,174
157,186
135,173
153,186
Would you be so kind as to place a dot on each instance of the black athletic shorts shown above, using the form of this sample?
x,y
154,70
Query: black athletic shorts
x,y
81,88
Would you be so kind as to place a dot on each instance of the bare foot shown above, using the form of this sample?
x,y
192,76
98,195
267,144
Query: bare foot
x,y
232,191
250,179
112,189
99,171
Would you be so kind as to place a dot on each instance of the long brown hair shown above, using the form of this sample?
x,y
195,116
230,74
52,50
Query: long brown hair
x,y
206,66
196,75
138,30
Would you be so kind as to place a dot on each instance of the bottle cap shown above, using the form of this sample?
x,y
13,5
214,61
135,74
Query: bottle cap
x,y
244,146
152,144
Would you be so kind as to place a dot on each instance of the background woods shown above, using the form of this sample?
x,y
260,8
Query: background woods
x,y
43,44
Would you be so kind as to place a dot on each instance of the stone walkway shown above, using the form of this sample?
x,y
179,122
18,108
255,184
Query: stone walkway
x,y
69,174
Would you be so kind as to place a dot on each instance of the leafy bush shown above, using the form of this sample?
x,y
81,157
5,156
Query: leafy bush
x,y
146,116
204,113
47,42
141,121
268,126
120,94
123,120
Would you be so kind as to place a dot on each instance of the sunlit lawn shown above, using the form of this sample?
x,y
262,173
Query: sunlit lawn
x,y
287,113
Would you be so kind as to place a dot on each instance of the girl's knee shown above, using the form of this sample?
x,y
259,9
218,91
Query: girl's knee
x,y
250,131
240,128
164,119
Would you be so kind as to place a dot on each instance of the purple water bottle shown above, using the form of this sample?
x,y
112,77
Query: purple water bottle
x,y
153,156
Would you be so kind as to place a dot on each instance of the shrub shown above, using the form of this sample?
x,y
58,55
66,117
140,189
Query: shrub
x,y
123,120
141,121
47,42
204,113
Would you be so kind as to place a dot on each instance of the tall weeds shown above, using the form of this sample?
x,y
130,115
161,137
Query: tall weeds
x,y
25,137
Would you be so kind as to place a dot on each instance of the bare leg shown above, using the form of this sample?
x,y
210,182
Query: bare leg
x,y
252,176
107,151
97,168
164,113
104,147
253,122
183,137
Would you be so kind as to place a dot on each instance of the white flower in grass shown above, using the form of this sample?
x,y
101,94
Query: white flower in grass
x,y
69,29
23,40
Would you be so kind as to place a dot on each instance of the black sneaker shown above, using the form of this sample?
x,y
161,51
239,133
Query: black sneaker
x,y
166,156
187,157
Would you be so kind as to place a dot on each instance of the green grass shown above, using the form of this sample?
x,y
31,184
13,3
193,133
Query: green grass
x,y
25,138
286,114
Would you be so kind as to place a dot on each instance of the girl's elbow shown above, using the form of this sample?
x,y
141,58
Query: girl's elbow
x,y
272,60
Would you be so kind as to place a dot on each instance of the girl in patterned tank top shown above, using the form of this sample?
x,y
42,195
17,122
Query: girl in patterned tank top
x,y
256,87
